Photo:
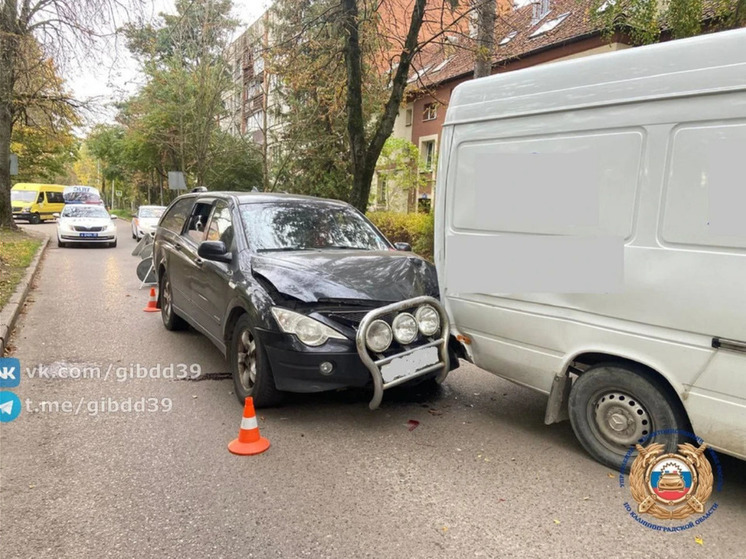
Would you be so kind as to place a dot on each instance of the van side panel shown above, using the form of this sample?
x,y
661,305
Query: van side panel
x,y
663,186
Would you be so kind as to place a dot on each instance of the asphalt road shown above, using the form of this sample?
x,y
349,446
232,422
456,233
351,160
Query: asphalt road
x,y
480,476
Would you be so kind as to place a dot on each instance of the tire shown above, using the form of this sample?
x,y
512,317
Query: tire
x,y
613,406
35,219
134,236
252,375
61,244
113,245
171,320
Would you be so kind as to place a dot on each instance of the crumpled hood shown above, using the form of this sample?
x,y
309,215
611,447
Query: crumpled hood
x,y
347,274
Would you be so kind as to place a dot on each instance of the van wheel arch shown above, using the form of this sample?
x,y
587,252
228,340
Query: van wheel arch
x,y
557,409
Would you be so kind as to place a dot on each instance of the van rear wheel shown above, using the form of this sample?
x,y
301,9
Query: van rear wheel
x,y
615,406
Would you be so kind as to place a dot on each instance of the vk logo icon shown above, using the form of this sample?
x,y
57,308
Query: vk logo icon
x,y
10,372
10,406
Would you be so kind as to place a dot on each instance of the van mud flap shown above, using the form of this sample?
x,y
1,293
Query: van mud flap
x,y
410,364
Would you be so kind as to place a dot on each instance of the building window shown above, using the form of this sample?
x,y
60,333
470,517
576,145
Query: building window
x,y
428,154
430,112
381,199
408,117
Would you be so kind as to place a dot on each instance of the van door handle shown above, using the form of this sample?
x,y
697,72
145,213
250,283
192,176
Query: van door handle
x,y
199,262
177,246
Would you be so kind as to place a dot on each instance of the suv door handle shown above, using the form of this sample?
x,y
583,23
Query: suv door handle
x,y
177,246
199,262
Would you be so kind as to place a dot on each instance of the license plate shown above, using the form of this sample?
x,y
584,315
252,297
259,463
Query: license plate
x,y
409,365
89,234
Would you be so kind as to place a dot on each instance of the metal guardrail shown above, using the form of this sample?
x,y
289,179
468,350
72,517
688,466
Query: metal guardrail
x,y
374,365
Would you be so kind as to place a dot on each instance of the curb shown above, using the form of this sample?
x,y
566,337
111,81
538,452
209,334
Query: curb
x,y
9,313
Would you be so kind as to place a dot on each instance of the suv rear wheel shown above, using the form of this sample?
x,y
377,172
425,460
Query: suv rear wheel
x,y
171,320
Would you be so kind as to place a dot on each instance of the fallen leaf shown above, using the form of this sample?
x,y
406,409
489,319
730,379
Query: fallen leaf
x,y
612,476
556,521
445,529
412,424
261,417
586,498
699,540
31,486
501,500
434,412
194,395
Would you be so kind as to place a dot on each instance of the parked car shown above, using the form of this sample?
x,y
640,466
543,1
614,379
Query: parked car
x,y
301,294
145,220
34,202
81,223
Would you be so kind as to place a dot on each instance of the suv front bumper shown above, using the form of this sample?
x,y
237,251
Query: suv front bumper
x,y
394,370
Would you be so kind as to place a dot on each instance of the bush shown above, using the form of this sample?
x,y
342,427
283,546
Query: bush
x,y
416,229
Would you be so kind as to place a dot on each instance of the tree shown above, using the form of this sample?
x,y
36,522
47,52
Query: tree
x,y
106,143
645,20
351,62
401,167
486,13
61,25
175,116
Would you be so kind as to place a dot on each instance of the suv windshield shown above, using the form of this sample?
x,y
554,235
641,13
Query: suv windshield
x,y
84,211
22,195
308,226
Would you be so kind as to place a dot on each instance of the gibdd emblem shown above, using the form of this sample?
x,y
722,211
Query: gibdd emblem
x,y
671,486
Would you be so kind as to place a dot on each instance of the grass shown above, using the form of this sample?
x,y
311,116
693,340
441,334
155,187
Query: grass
x,y
17,250
122,214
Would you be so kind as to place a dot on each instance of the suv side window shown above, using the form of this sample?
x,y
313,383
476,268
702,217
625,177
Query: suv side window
x,y
197,223
177,215
221,225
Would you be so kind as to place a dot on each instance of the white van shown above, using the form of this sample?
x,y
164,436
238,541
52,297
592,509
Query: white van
x,y
590,239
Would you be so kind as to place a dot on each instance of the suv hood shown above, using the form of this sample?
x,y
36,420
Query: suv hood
x,y
310,276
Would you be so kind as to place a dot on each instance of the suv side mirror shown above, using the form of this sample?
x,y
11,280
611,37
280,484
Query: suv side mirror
x,y
405,247
214,250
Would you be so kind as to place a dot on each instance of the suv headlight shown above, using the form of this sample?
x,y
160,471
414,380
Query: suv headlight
x,y
405,328
309,331
428,320
378,337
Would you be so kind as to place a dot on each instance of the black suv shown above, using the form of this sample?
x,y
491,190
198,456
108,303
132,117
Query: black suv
x,y
301,294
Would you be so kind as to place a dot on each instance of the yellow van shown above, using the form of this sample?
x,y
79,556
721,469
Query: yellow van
x,y
36,202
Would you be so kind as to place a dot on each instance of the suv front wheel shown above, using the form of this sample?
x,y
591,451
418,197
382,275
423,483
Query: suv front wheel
x,y
252,375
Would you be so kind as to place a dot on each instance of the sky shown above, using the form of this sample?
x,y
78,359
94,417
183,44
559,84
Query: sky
x,y
112,74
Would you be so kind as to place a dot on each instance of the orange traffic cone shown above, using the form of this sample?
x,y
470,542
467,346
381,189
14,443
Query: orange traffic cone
x,y
152,303
249,441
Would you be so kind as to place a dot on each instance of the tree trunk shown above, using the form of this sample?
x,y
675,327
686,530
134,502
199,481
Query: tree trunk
x,y
486,14
365,154
355,120
8,48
